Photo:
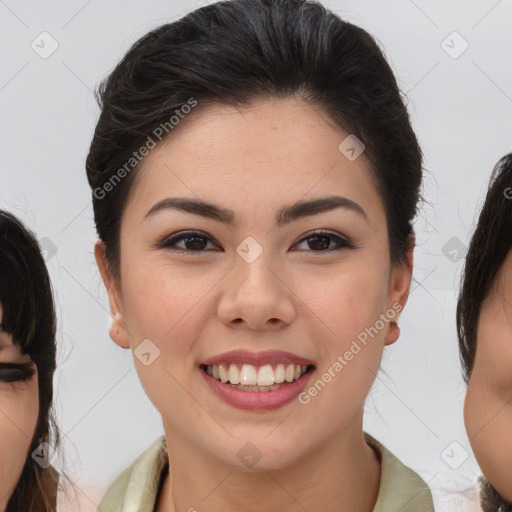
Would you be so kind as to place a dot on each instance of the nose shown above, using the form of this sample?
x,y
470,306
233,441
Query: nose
x,y
256,295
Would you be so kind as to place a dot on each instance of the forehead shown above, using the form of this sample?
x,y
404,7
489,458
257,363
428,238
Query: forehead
x,y
273,133
5,339
270,153
7,347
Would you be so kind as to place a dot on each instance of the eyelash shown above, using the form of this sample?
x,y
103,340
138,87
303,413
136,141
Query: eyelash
x,y
169,242
14,372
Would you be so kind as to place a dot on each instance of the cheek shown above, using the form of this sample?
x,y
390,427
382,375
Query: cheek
x,y
474,409
489,423
348,308
158,298
346,300
19,408
163,304
488,404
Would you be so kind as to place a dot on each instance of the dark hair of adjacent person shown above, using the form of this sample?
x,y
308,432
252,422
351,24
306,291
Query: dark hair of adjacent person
x,y
489,246
491,501
236,53
487,251
29,317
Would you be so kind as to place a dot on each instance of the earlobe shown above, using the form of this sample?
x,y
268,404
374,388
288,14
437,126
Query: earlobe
x,y
118,332
393,334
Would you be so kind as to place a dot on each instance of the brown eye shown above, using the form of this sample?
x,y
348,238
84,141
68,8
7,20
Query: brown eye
x,y
195,241
319,241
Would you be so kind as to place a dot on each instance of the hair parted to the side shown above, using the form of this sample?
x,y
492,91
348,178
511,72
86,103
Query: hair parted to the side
x,y
28,316
235,53
487,251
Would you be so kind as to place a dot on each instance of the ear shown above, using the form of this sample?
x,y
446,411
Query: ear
x,y
117,331
399,287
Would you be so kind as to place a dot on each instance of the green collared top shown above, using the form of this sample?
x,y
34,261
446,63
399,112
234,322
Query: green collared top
x,y
136,488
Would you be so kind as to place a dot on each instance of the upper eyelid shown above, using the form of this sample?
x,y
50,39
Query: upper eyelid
x,y
180,235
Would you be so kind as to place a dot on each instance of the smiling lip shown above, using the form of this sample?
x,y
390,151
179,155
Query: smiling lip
x,y
257,358
257,400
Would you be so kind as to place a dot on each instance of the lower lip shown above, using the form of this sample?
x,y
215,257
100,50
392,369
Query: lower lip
x,y
258,400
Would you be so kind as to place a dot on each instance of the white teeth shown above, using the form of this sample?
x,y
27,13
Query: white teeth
x,y
224,376
234,374
289,373
264,377
248,375
280,374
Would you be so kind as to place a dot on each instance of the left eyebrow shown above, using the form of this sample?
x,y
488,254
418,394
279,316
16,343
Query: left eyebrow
x,y
286,215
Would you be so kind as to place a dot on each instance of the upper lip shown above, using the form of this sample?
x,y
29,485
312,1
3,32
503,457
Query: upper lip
x,y
257,358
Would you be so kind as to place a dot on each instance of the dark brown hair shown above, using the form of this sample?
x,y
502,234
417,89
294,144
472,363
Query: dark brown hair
x,y
29,317
490,500
488,249
236,52
489,246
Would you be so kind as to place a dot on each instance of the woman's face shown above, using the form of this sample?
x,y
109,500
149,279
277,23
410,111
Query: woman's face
x,y
256,285
19,409
488,405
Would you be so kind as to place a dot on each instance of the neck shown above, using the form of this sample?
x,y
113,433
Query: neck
x,y
341,475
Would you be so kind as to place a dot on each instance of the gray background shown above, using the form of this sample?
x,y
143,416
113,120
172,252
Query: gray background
x,y
461,107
